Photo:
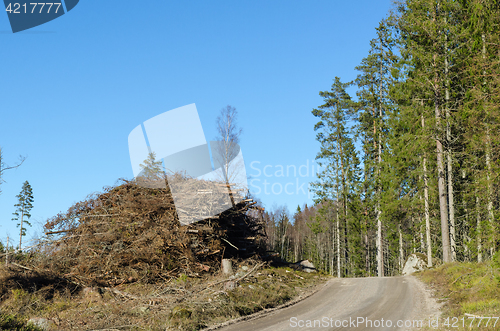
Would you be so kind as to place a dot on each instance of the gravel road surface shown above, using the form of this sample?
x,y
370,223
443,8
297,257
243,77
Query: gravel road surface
x,y
388,303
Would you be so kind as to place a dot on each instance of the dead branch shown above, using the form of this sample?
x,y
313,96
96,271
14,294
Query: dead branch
x,y
60,231
250,272
21,266
235,280
230,243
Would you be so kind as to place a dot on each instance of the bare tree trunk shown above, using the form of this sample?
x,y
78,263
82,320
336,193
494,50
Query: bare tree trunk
x,y
400,249
466,225
488,166
421,231
414,237
451,204
295,251
332,256
422,243
490,200
427,219
346,240
367,250
426,206
344,202
21,229
338,240
479,232
451,209
318,245
380,252
367,245
443,204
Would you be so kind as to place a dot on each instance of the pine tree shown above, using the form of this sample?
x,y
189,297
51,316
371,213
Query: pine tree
x,y
374,83
339,179
24,206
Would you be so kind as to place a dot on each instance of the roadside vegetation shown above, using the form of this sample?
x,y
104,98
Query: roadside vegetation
x,y
468,290
182,302
13,323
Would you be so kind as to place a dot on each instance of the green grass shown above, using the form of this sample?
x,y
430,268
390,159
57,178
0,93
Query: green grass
x,y
467,289
11,322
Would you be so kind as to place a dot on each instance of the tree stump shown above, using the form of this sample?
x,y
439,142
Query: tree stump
x,y
227,267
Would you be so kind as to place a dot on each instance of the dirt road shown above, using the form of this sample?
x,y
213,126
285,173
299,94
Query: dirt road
x,y
388,303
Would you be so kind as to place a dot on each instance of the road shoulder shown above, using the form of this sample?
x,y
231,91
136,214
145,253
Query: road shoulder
x,y
425,305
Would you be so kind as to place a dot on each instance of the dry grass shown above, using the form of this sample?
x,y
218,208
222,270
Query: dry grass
x,y
185,303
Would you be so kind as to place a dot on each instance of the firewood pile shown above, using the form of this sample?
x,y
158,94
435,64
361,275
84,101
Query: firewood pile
x,y
131,233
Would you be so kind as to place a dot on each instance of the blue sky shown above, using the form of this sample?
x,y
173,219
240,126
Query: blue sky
x,y
72,90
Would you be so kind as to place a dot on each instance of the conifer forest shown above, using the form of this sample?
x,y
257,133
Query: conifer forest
x,y
409,150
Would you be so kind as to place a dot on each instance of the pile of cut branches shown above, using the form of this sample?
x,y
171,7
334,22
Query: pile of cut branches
x,y
130,233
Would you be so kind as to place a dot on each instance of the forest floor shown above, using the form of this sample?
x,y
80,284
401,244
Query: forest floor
x,y
469,293
181,303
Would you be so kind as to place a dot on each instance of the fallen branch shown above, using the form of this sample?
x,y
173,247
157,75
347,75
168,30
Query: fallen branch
x,y
144,298
56,232
21,266
230,243
460,277
248,273
123,294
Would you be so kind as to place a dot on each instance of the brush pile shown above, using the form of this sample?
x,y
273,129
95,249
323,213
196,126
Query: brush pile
x,y
131,233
